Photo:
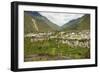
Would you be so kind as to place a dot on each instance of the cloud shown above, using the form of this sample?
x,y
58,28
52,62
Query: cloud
x,y
60,18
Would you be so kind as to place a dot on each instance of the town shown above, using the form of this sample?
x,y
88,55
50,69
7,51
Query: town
x,y
73,39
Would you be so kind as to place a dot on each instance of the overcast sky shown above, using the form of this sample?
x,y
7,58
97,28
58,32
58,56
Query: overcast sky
x,y
60,18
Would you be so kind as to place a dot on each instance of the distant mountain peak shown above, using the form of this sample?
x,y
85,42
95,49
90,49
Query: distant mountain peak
x,y
33,13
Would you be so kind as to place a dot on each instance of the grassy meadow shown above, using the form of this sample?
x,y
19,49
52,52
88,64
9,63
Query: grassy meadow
x,y
51,50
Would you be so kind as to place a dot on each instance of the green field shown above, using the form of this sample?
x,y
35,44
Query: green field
x,y
52,50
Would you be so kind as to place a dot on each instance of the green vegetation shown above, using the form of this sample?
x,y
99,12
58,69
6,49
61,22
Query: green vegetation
x,y
51,50
44,25
82,23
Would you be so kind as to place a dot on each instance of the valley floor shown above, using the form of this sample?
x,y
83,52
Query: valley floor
x,y
56,46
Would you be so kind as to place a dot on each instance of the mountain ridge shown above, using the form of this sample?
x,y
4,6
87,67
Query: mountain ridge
x,y
82,23
45,25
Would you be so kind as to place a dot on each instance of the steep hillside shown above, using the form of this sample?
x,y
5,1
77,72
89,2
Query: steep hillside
x,y
82,23
34,21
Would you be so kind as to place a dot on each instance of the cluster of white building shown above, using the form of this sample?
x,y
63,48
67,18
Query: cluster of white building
x,y
81,39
